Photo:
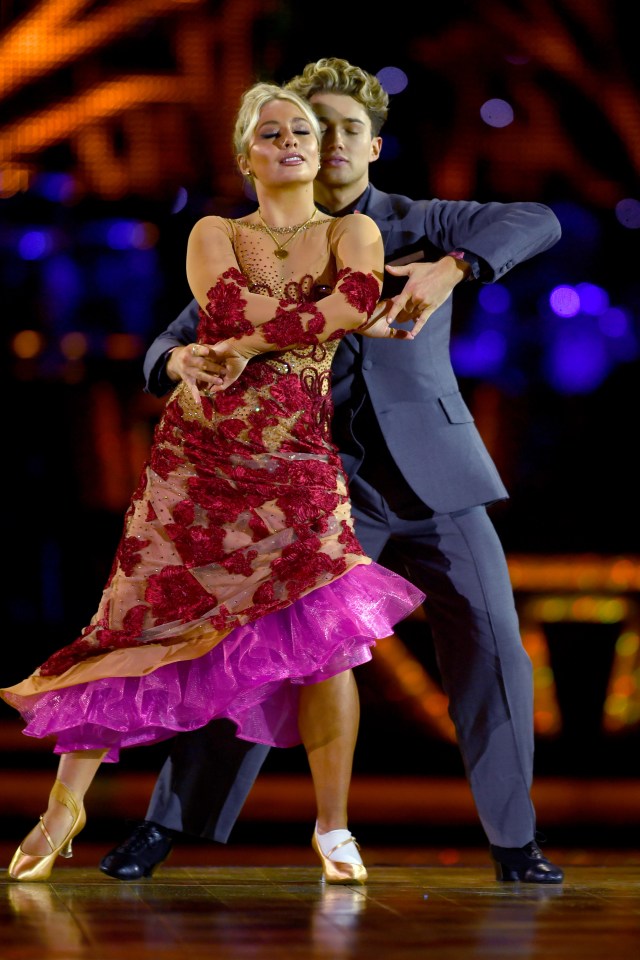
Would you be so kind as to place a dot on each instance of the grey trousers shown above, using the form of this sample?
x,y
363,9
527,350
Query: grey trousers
x,y
459,563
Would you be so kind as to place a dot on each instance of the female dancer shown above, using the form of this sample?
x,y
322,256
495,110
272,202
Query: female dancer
x,y
238,588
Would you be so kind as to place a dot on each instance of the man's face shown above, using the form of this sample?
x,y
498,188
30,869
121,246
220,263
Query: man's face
x,y
347,144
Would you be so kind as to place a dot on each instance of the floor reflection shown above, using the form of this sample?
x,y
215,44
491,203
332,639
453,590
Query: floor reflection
x,y
42,918
335,920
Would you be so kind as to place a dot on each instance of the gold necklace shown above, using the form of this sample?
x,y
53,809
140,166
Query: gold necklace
x,y
280,252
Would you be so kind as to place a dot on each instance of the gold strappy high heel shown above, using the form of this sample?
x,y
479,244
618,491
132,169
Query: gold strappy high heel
x,y
26,866
339,871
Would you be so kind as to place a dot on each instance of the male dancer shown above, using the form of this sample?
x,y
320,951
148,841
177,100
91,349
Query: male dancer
x,y
426,501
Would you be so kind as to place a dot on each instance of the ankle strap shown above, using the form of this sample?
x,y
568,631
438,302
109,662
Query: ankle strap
x,y
63,794
343,843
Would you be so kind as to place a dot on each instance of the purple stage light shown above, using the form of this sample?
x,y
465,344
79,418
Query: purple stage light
x,y
392,79
494,298
628,213
34,244
564,301
594,300
497,113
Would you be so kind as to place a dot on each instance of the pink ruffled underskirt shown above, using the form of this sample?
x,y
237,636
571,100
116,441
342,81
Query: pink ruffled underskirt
x,y
252,677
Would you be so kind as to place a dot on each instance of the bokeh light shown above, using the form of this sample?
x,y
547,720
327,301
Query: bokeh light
x,y
564,301
34,244
479,355
580,226
497,113
628,213
614,322
74,345
27,344
57,187
131,235
392,79
577,361
494,298
180,201
594,300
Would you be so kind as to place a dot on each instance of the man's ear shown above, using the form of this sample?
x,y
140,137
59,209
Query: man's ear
x,y
376,147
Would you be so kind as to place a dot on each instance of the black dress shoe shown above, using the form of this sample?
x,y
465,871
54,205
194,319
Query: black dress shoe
x,y
527,864
139,854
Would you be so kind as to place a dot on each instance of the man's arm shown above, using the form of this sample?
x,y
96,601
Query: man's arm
x,y
500,235
182,331
482,241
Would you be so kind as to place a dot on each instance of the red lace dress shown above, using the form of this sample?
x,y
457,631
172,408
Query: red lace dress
x,y
238,576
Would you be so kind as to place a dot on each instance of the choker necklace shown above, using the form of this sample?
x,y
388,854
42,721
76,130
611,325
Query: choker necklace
x,y
280,252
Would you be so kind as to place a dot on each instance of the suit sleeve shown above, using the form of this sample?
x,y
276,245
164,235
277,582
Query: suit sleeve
x,y
501,235
180,331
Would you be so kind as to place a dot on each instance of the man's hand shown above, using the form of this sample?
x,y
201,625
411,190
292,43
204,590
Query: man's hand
x,y
196,364
427,287
208,368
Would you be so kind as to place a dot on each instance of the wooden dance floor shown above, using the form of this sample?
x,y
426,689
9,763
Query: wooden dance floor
x,y
260,897
413,906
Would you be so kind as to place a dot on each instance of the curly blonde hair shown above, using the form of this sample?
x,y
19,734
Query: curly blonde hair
x,y
333,75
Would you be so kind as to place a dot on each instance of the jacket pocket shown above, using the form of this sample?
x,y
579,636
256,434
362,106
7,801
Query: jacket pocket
x,y
455,408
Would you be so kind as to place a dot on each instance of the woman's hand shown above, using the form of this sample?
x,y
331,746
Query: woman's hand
x,y
231,357
208,368
379,325
197,366
232,364
428,286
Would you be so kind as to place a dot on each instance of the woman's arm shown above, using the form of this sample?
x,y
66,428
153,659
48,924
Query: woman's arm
x,y
357,246
272,325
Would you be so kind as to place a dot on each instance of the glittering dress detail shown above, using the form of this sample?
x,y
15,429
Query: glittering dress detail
x,y
238,576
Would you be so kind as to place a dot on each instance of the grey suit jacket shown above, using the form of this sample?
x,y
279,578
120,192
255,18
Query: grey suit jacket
x,y
411,385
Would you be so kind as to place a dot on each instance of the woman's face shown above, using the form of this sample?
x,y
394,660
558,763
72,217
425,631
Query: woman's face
x,y
283,148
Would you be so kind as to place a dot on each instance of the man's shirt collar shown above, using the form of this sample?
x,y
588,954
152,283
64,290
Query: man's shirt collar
x,y
357,204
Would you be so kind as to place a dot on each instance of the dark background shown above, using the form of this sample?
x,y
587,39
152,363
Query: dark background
x,y
95,211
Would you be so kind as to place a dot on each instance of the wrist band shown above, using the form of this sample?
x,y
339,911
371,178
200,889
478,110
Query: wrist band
x,y
474,272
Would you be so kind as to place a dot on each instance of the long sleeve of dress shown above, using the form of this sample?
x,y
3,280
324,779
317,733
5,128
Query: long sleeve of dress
x,y
266,323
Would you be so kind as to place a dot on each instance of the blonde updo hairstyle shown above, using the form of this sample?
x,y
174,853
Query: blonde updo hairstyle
x,y
253,100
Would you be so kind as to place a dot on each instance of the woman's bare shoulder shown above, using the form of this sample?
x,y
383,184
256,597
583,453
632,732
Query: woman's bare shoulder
x,y
210,231
212,222
357,225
